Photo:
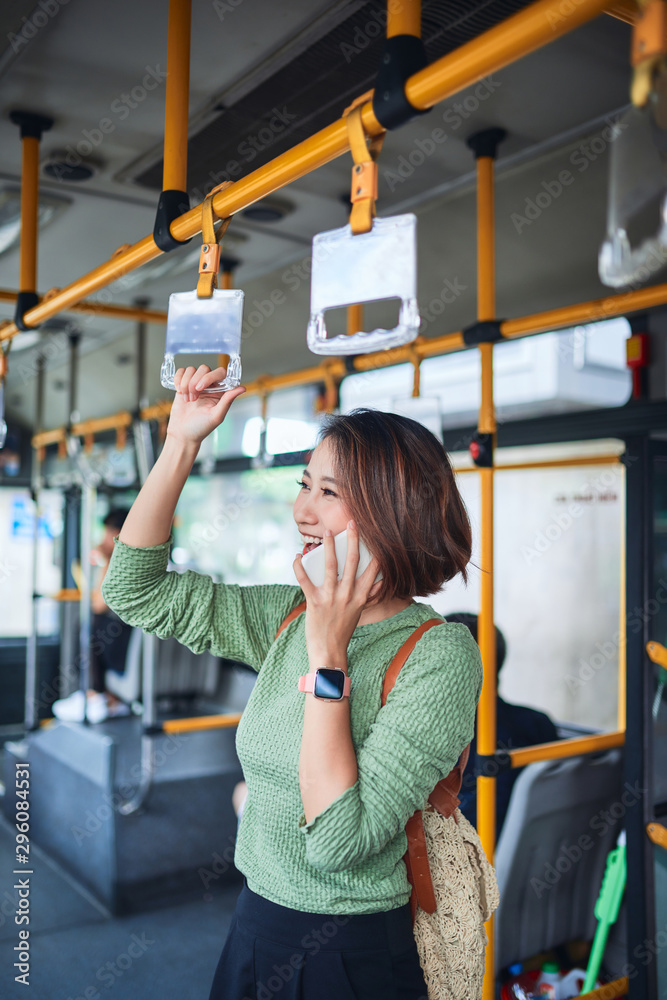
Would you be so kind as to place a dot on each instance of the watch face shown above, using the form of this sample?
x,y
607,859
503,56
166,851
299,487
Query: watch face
x,y
329,683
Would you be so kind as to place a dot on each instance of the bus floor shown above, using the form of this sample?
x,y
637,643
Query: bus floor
x,y
79,952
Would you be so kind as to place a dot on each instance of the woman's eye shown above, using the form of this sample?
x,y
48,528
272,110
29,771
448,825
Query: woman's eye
x,y
300,482
329,493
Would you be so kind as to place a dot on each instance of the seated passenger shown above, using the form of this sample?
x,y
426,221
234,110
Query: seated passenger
x,y
109,638
516,726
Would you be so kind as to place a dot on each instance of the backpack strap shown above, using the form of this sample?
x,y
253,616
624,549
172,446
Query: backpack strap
x,y
403,653
444,796
299,609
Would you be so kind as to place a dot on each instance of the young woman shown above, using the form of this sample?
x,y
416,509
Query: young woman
x,y
324,911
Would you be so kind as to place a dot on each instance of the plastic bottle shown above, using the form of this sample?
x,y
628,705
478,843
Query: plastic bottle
x,y
521,985
571,984
547,984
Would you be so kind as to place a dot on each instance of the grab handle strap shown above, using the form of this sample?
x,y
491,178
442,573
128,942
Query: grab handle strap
x,y
209,257
364,189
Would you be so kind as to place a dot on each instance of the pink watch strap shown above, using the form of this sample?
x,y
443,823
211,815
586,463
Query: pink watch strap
x,y
307,683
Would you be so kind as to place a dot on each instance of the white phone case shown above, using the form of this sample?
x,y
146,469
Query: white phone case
x,y
313,562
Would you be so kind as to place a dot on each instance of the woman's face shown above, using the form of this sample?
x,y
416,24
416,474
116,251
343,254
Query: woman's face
x,y
318,506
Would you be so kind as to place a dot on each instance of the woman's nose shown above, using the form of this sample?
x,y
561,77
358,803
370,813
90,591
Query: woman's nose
x,y
304,509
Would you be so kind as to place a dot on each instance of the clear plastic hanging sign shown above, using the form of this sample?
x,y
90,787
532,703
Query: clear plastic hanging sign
x,y
635,247
349,269
204,326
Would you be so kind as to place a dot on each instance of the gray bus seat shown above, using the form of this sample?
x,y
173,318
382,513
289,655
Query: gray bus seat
x,y
177,670
552,852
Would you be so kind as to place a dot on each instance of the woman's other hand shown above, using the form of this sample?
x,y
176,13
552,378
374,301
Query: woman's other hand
x,y
333,610
194,413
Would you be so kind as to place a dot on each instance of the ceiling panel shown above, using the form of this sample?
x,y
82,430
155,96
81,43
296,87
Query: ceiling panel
x,y
93,52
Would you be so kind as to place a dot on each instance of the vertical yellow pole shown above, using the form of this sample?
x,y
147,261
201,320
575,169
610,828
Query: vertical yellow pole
x,y
31,126
486,730
355,318
622,617
29,206
404,18
484,145
227,282
175,167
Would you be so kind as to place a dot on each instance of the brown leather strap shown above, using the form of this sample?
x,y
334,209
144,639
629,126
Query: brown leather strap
x,y
422,886
444,796
416,858
403,653
209,258
291,616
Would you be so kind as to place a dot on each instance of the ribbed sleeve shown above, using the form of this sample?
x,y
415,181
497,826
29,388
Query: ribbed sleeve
x,y
349,858
416,740
239,623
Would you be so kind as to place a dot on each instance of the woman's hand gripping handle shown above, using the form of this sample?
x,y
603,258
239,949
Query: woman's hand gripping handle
x,y
194,414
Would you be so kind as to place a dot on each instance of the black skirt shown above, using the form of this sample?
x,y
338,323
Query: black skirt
x,y
273,952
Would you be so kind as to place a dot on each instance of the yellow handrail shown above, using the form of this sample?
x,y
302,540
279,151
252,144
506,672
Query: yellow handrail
x,y
584,312
657,653
530,29
625,10
553,463
201,722
65,594
566,748
98,308
657,834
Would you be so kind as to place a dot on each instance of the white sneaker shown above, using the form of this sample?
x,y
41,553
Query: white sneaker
x,y
100,708
97,709
70,709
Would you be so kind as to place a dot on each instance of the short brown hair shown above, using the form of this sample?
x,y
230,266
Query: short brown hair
x,y
397,482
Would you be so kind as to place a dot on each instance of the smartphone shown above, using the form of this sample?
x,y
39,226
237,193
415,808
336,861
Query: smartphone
x,y
313,562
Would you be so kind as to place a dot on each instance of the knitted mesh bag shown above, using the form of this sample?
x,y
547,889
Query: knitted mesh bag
x,y
454,888
452,940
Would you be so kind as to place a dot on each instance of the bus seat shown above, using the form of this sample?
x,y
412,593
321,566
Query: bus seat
x,y
177,670
552,853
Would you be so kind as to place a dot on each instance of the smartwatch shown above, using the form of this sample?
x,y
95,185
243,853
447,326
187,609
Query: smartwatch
x,y
327,684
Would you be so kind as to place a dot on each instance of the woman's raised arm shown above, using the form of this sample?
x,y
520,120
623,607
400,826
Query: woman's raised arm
x,y
193,417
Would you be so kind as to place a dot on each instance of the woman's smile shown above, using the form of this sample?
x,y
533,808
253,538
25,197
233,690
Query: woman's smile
x,y
318,507
310,542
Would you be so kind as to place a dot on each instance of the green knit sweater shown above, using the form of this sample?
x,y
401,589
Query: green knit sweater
x,y
349,858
